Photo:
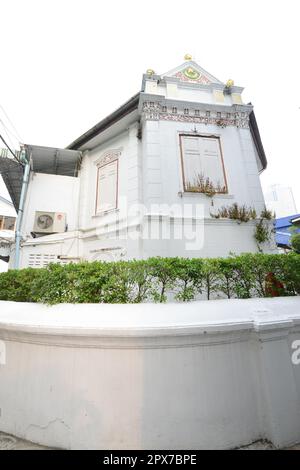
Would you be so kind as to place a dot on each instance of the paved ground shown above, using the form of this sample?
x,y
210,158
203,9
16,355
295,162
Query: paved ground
x,y
8,442
265,445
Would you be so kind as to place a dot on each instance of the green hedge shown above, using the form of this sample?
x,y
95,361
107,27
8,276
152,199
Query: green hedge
x,y
156,279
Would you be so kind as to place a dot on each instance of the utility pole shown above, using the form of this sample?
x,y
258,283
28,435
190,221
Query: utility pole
x,y
24,161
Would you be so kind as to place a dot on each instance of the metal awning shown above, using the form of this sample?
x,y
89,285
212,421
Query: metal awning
x,y
53,161
12,174
50,160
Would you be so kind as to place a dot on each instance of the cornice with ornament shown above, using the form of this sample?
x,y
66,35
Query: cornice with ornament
x,y
108,157
154,111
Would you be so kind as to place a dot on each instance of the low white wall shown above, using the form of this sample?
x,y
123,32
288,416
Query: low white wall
x,y
3,266
215,374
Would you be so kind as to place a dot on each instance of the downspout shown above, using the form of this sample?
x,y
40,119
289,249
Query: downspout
x,y
24,160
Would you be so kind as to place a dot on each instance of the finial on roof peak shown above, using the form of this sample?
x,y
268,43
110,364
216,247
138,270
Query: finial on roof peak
x,y
188,57
150,72
229,83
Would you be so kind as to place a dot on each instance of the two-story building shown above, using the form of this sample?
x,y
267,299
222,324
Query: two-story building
x,y
7,227
149,179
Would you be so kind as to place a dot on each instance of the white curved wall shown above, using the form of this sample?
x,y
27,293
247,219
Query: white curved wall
x,y
215,374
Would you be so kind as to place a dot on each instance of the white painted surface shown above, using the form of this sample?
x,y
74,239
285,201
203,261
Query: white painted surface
x,y
51,193
3,266
150,174
280,199
7,209
214,374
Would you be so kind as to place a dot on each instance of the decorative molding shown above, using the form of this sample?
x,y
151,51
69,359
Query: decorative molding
x,y
108,157
199,78
114,253
154,111
264,322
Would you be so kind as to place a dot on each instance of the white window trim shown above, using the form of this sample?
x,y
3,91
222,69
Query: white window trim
x,y
182,134
105,159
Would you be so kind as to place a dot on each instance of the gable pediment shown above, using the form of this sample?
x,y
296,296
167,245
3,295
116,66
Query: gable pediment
x,y
191,72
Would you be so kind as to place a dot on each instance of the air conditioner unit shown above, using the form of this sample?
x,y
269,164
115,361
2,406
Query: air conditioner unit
x,y
49,222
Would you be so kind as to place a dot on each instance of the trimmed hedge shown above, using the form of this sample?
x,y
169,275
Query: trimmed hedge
x,y
156,279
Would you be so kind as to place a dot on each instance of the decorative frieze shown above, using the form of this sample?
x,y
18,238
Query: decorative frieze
x,y
108,157
193,76
153,111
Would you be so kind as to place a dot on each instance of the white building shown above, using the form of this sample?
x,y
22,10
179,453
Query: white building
x,y
136,184
7,227
280,199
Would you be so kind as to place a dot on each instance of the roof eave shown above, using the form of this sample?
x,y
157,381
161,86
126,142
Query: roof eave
x,y
122,111
257,140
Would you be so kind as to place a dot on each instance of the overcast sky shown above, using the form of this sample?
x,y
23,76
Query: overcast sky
x,y
67,64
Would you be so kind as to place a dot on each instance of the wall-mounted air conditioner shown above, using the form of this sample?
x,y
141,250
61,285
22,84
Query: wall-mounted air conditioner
x,y
49,222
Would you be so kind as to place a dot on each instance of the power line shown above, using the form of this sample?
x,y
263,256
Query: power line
x,y
13,154
7,132
7,117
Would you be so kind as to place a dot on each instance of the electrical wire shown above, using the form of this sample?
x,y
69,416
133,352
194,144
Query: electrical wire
x,y
7,117
13,154
7,132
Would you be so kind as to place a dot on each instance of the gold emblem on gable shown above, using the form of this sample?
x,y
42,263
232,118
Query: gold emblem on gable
x,y
191,73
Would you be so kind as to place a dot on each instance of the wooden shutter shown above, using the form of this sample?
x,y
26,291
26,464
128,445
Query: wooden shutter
x,y
192,165
212,161
201,158
107,187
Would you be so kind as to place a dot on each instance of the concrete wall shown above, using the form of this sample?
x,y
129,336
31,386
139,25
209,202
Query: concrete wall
x,y
51,193
203,375
162,174
99,232
150,175
3,266
7,209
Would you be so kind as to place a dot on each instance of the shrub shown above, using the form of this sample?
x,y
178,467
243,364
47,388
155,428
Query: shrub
x,y
236,212
18,285
156,279
295,242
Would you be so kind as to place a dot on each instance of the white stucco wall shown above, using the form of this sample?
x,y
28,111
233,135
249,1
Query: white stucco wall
x,y
3,266
150,175
162,173
51,193
99,231
7,209
203,375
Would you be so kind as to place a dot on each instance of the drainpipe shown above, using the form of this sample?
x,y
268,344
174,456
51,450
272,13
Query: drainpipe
x,y
25,161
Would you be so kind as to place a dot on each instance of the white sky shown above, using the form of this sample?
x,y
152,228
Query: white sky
x,y
67,64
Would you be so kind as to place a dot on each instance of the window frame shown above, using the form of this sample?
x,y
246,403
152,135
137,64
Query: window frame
x,y
3,219
205,136
100,167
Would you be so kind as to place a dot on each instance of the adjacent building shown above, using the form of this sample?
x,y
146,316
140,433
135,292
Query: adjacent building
x,y
7,227
280,200
285,227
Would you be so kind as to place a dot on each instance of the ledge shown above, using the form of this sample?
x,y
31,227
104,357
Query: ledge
x,y
139,376
147,325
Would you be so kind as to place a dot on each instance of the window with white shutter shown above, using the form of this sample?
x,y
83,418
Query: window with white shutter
x,y
202,164
107,187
